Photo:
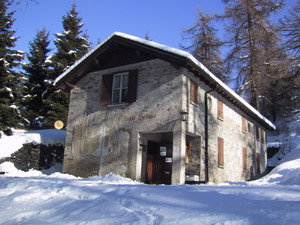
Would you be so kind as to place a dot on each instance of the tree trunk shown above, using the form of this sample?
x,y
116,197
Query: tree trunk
x,y
252,76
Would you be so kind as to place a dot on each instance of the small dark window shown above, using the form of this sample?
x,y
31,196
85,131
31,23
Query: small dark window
x,y
244,129
220,109
249,127
258,162
220,152
194,92
244,158
257,133
263,136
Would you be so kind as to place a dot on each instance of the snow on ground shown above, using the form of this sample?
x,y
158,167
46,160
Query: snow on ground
x,y
10,144
288,139
34,198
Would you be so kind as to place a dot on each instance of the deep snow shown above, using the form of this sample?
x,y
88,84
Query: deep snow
x,y
10,144
35,198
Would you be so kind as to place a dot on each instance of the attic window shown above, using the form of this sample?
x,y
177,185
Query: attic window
x,y
119,88
257,132
244,129
194,92
220,110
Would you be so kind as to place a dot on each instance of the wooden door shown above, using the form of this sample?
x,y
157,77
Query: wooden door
x,y
159,163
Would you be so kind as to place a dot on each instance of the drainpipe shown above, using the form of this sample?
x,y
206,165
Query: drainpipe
x,y
206,132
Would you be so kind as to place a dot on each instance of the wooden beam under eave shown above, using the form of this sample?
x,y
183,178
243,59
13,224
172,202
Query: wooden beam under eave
x,y
69,85
64,88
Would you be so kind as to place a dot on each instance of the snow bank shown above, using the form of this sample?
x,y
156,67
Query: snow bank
x,y
10,170
287,173
10,144
34,198
287,138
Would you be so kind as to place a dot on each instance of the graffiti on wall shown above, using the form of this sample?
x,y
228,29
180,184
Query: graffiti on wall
x,y
90,139
135,118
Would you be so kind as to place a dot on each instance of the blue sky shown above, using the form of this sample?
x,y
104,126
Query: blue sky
x,y
163,20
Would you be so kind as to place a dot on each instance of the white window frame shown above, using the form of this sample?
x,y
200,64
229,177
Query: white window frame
x,y
121,88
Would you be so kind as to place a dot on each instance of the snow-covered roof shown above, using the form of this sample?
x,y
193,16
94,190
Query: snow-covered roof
x,y
180,53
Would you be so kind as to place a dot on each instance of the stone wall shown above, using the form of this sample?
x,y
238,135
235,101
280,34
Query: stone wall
x,y
103,139
230,129
36,156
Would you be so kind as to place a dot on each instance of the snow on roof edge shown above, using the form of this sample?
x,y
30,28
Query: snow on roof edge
x,y
177,52
82,59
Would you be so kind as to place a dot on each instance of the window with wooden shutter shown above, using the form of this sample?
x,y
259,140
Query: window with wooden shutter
x,y
119,88
194,92
220,109
244,129
257,133
220,152
258,162
244,158
132,86
263,137
106,89
188,149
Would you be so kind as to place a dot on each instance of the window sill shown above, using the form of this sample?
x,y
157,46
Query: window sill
x,y
221,167
219,118
118,105
194,104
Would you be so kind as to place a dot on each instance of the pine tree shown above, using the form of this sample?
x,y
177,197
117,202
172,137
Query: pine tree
x,y
246,24
9,79
205,44
37,73
71,45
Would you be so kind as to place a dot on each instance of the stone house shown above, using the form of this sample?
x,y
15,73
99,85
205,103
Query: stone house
x,y
155,114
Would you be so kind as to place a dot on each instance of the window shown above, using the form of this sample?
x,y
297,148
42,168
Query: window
x,y
119,88
188,149
244,129
194,92
220,109
220,152
257,133
244,158
263,136
249,127
258,162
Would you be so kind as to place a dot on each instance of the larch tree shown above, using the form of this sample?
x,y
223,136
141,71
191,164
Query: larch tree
x,y
10,80
37,72
71,45
275,87
246,24
205,45
290,27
